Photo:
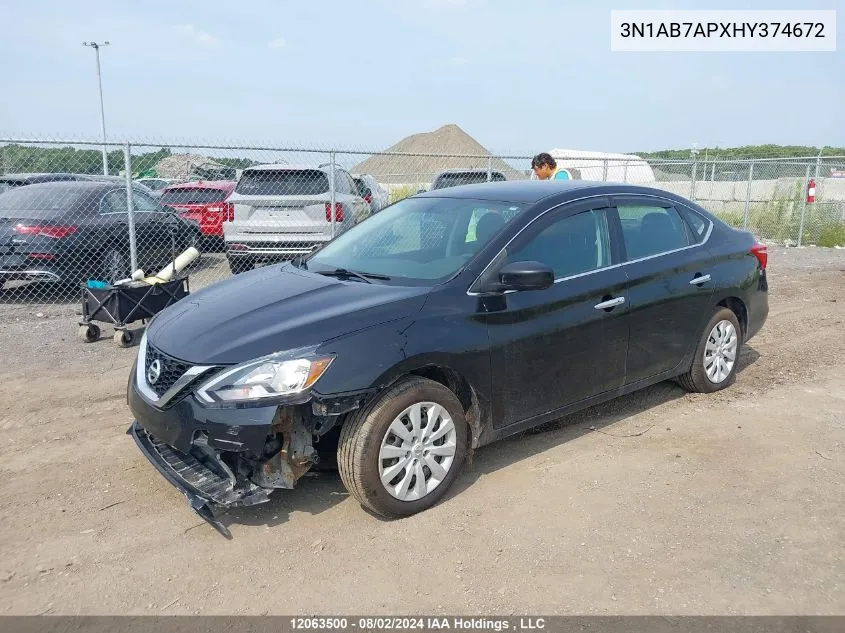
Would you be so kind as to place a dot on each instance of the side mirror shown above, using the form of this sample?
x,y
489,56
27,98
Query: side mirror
x,y
522,276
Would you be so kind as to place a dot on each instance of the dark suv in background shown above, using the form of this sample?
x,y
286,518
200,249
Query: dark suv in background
x,y
457,177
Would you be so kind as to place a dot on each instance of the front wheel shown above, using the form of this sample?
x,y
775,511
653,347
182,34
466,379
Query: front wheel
x,y
714,365
399,454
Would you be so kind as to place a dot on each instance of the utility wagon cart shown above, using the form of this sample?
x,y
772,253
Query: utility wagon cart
x,y
121,305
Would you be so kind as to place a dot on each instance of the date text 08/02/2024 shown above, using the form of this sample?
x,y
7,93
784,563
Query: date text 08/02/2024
x,y
421,623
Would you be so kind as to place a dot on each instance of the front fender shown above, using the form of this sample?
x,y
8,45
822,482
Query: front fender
x,y
369,361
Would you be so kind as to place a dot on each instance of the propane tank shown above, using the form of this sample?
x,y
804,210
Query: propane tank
x,y
811,191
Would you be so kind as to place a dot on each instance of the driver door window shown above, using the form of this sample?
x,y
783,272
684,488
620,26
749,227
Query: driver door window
x,y
571,246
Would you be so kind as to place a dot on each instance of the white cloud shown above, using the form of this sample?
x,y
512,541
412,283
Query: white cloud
x,y
197,35
279,42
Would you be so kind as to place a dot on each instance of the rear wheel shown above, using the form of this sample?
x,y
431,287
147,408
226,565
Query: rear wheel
x,y
399,454
114,265
714,365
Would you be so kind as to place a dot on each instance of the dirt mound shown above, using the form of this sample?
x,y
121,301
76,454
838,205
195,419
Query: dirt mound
x,y
455,149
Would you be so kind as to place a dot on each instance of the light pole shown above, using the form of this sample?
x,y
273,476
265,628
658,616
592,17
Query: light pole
x,y
96,48
818,161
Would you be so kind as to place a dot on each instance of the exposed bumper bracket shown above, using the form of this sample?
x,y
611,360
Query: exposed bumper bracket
x,y
202,486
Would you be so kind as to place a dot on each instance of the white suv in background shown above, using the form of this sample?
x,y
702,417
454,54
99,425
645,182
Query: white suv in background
x,y
281,211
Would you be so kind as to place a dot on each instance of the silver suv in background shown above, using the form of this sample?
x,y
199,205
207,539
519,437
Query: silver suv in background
x,y
281,211
371,191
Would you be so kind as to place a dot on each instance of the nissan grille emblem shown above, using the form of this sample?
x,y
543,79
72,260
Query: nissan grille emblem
x,y
154,372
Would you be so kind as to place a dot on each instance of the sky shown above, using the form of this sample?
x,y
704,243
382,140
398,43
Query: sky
x,y
520,77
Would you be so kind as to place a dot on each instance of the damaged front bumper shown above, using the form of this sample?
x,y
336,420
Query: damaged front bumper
x,y
226,458
202,486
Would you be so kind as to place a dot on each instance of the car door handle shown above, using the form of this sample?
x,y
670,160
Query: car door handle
x,y
610,303
697,281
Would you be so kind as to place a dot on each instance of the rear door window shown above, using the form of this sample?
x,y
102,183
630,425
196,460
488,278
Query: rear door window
x,y
283,182
652,230
115,202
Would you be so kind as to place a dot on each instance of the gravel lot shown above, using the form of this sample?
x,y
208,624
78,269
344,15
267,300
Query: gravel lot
x,y
660,502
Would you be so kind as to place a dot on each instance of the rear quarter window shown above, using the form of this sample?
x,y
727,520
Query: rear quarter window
x,y
697,225
283,182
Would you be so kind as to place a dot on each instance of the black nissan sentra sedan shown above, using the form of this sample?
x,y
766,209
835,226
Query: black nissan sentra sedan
x,y
447,321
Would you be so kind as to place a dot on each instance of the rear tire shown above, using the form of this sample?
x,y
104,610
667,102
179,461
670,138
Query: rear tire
x,y
712,368
367,445
114,265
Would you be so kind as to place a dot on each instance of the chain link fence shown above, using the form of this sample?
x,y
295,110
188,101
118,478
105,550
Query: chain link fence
x,y
66,219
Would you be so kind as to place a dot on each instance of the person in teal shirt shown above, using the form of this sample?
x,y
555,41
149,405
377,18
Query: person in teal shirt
x,y
545,168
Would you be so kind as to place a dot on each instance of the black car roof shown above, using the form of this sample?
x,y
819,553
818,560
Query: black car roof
x,y
532,191
35,177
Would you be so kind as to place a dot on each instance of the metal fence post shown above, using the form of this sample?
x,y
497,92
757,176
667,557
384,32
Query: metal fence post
x,y
694,176
489,168
712,180
332,213
130,207
604,170
625,173
748,195
803,203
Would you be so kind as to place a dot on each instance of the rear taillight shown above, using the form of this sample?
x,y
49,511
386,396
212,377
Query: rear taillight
x,y
225,209
41,256
43,230
368,198
338,212
761,252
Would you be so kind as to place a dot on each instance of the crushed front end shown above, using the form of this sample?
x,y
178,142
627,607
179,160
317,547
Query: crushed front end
x,y
220,457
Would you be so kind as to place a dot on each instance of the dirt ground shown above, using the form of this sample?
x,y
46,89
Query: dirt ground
x,y
658,503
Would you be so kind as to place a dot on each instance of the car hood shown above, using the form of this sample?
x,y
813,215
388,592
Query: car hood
x,y
274,309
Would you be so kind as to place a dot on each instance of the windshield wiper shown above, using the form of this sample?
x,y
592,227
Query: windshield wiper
x,y
343,272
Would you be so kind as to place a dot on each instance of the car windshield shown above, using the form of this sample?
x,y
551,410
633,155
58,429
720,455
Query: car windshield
x,y
419,240
192,195
283,182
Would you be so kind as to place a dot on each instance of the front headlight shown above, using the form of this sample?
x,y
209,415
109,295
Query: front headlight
x,y
263,379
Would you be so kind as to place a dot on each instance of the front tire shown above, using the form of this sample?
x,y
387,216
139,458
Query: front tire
x,y
715,362
399,454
